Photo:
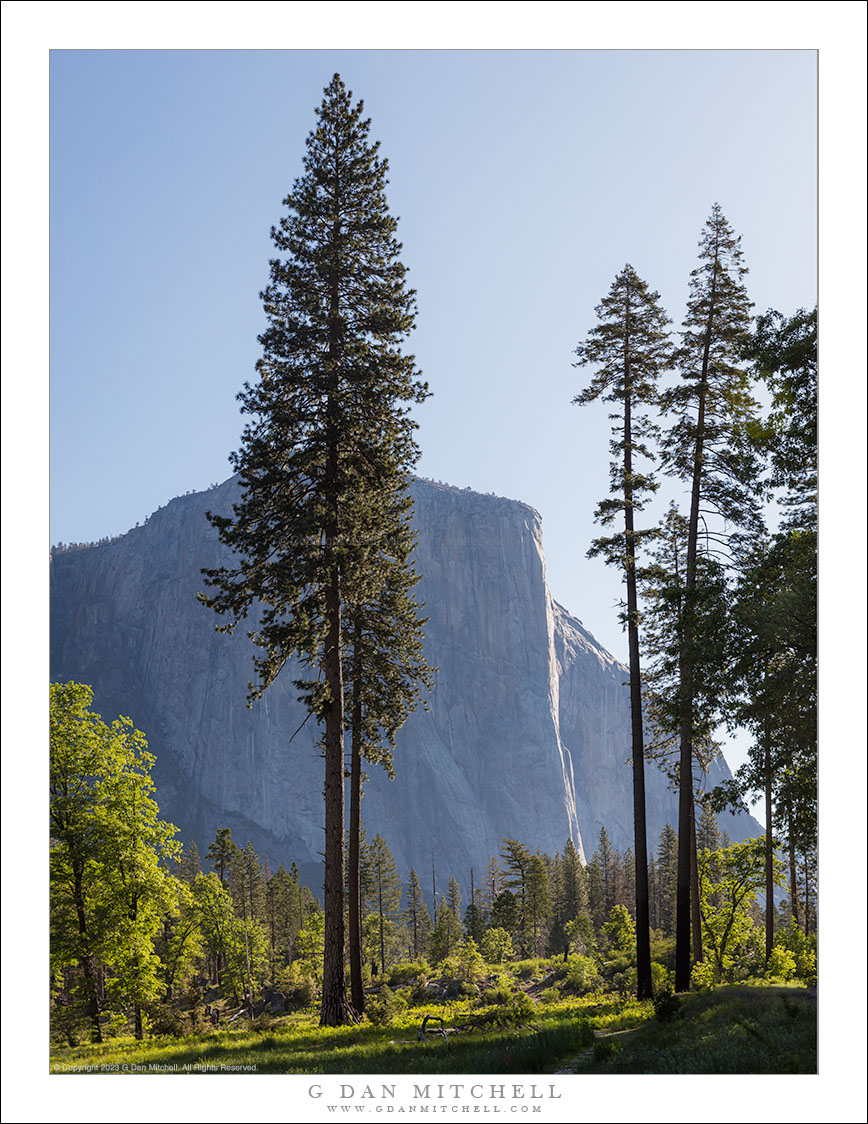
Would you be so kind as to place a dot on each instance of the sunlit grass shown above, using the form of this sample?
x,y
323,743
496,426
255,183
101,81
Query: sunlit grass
x,y
743,1029
298,1044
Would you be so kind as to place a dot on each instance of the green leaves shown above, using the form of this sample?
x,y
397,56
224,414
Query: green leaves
x,y
109,890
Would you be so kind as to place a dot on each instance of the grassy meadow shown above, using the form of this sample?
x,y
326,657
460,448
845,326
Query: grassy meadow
x,y
748,1028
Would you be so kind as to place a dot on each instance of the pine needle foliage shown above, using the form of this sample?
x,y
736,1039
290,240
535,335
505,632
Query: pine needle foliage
x,y
322,526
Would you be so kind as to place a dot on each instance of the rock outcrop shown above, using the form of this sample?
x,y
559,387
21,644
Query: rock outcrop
x,y
527,735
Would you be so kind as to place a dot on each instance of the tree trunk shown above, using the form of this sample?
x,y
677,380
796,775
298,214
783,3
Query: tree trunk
x,y
434,886
354,875
791,847
769,855
695,912
685,776
644,988
335,1009
87,963
380,904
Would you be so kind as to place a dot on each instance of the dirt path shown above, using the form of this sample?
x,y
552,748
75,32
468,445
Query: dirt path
x,y
579,1061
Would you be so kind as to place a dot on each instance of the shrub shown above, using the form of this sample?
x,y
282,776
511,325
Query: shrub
x,y
461,989
702,976
550,995
517,1009
501,992
471,966
496,945
582,974
660,977
666,1005
299,989
806,966
781,965
385,1006
527,969
617,966
425,992
408,972
165,1020
803,949
116,1026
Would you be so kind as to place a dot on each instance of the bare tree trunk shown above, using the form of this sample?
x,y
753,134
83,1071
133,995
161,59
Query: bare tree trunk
x,y
644,987
695,912
791,847
335,1008
87,963
354,875
685,773
769,854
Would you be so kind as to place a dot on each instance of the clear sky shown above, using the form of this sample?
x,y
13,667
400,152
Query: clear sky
x,y
524,180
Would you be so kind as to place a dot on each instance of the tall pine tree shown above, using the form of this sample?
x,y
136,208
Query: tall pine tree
x,y
329,446
629,348
708,448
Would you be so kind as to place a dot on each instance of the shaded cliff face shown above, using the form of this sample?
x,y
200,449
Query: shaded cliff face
x,y
527,735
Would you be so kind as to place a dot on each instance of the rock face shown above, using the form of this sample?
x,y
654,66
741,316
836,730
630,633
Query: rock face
x,y
527,735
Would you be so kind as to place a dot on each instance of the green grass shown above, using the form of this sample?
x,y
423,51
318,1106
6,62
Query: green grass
x,y
730,1030
299,1045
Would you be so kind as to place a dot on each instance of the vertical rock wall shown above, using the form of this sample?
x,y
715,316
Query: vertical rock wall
x,y
527,735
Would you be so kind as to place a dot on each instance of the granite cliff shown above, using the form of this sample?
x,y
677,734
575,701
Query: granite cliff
x,y
527,735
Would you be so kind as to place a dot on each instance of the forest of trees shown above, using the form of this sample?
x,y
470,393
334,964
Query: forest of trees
x,y
152,938
720,612
721,598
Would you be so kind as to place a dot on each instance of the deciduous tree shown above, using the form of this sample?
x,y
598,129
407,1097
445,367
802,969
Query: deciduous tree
x,y
109,891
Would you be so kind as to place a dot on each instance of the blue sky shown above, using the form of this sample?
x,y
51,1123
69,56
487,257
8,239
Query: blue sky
x,y
524,180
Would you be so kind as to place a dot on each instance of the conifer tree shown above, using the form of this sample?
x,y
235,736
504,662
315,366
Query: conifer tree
x,y
629,348
604,859
538,900
773,639
575,883
558,940
190,864
388,672
474,919
667,868
386,888
664,586
223,852
492,882
327,451
516,859
707,447
417,917
453,895
446,936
